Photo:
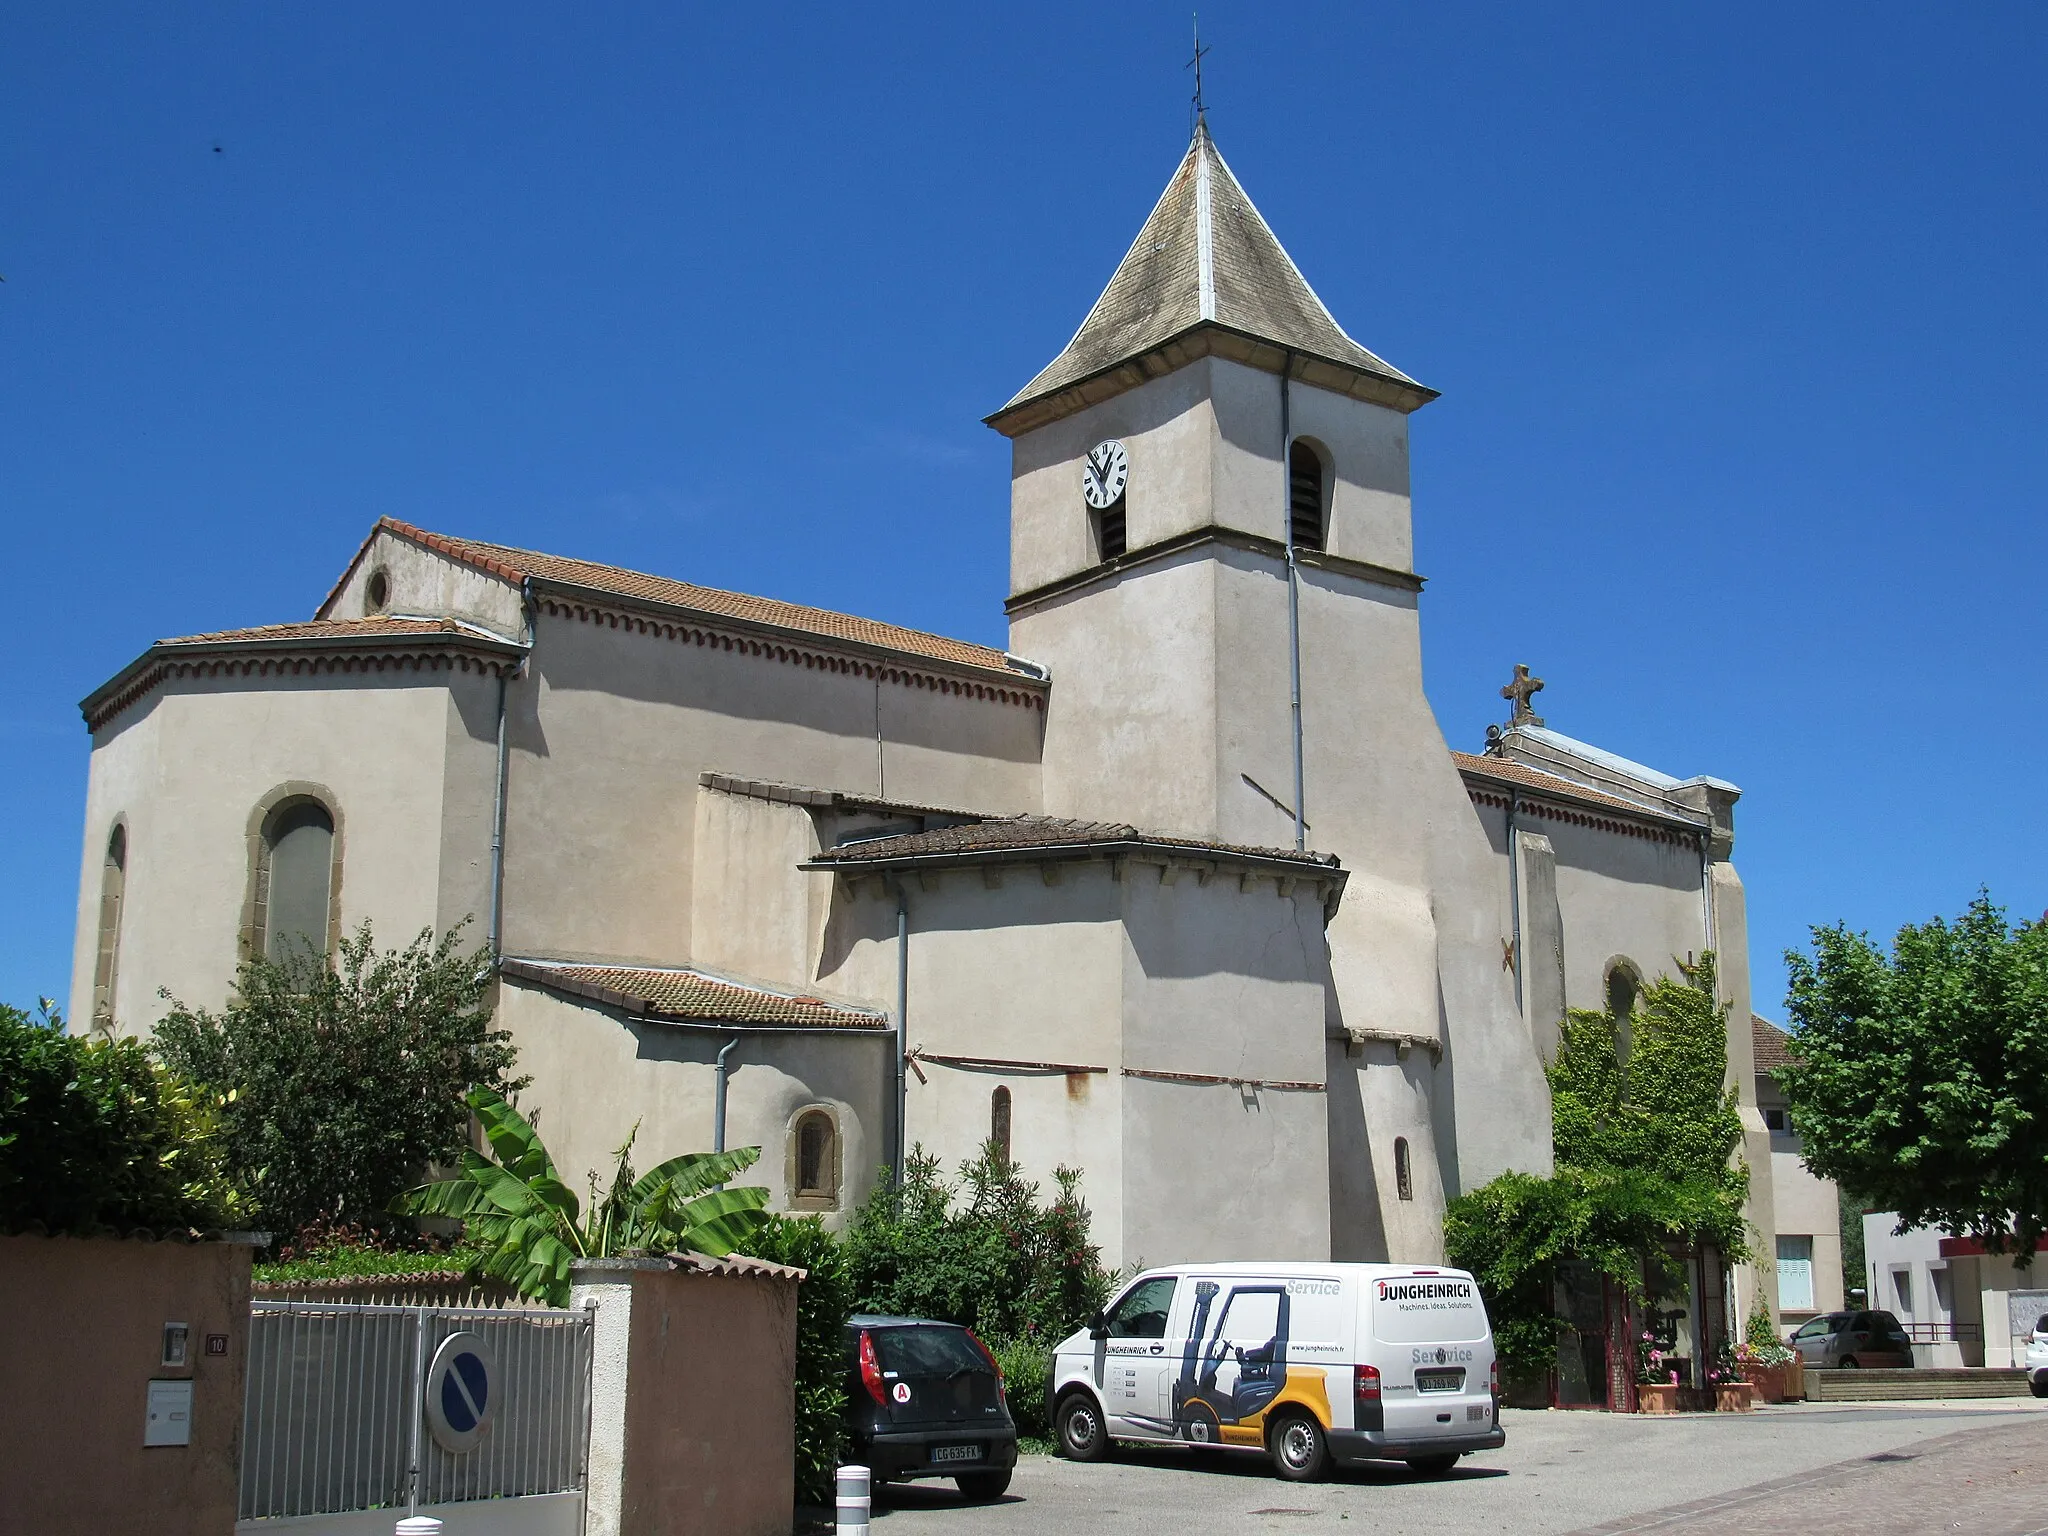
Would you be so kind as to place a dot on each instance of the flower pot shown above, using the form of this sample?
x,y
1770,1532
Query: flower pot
x,y
1734,1397
1656,1397
1766,1381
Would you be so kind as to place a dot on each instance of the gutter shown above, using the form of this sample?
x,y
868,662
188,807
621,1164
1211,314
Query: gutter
x,y
1308,867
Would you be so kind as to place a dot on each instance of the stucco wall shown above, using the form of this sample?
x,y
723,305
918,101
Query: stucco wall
x,y
597,1074
186,767
424,583
87,1339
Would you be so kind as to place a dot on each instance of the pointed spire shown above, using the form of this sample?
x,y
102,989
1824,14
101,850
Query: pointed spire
x,y
1206,274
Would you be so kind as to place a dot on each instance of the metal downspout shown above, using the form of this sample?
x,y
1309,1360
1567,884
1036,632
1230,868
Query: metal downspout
x,y
1293,591
719,1075
900,1136
1515,896
496,936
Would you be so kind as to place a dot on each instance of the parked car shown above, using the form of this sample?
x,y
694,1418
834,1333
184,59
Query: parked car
x,y
925,1399
1852,1339
1305,1363
2037,1358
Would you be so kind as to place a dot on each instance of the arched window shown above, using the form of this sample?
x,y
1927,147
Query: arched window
x,y
1621,990
814,1145
294,882
1305,495
1404,1176
999,1121
107,959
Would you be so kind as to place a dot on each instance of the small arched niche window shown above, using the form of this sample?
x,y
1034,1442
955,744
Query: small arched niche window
x,y
1624,985
377,592
814,1161
107,957
1305,495
294,882
999,1122
1404,1176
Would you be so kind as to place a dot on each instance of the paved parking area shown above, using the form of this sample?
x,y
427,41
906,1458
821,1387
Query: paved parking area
x,y
1979,1466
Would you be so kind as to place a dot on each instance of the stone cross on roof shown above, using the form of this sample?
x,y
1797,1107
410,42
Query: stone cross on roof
x,y
1522,690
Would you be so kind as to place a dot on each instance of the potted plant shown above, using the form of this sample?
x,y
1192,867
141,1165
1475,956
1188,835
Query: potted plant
x,y
1773,1369
1656,1381
1725,1379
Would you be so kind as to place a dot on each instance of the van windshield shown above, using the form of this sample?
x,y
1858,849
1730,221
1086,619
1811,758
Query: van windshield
x,y
1426,1309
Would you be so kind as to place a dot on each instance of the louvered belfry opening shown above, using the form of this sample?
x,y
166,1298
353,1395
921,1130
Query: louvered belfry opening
x,y
1305,495
1109,529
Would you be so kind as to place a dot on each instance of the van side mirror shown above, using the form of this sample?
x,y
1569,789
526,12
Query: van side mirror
x,y
1098,1327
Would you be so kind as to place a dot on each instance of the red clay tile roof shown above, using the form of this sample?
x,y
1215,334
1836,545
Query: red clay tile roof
x,y
381,628
1037,832
1771,1046
690,995
518,564
1506,771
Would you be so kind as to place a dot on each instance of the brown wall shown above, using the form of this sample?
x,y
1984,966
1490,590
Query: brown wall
x,y
710,1418
85,1321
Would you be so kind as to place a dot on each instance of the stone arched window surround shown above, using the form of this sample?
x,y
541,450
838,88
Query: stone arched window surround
x,y
249,944
1404,1172
823,1193
107,951
1000,1106
1308,458
1620,986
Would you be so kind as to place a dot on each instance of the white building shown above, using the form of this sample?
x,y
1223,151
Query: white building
x,y
1961,1304
1808,1208
1279,978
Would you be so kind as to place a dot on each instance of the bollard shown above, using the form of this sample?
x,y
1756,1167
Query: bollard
x,y
853,1501
419,1525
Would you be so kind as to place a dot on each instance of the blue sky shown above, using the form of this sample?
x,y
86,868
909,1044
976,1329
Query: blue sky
x,y
1738,312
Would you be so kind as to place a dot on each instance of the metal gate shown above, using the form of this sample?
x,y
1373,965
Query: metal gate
x,y
335,1418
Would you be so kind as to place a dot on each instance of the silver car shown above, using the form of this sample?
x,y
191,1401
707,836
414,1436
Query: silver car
x,y
1853,1339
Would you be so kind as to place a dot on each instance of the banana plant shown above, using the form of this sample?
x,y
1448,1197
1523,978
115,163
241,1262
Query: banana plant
x,y
532,1227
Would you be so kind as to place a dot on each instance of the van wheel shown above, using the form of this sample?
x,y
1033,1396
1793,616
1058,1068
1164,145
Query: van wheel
x,y
1432,1466
1300,1450
2039,1385
980,1487
1082,1434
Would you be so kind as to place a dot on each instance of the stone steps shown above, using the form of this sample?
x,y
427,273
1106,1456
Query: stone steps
x,y
1862,1386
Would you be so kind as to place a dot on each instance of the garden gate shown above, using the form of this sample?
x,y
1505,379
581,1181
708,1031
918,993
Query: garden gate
x,y
401,1409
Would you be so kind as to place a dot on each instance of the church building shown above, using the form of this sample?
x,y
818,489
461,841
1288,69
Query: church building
x,y
1183,889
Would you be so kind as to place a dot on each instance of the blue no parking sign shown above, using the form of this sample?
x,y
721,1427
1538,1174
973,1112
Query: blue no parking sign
x,y
462,1391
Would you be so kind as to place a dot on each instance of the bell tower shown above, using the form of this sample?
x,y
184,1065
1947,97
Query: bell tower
x,y
1210,547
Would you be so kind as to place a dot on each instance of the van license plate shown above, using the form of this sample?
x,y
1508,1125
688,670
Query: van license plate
x,y
1478,1412
956,1453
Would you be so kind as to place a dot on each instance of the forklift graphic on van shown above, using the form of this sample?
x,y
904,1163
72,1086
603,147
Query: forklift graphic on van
x,y
1221,1383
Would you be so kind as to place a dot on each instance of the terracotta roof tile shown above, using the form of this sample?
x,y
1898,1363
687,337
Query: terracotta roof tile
x,y
690,995
1771,1046
518,564
1507,771
1028,832
333,629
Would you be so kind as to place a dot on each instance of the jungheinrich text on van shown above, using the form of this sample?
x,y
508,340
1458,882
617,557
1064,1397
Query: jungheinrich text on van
x,y
1308,1363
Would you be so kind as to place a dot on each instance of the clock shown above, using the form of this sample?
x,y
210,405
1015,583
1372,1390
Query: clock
x,y
1108,471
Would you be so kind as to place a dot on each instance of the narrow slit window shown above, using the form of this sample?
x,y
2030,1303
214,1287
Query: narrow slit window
x,y
1404,1178
999,1122
817,1157
1109,529
1305,496
107,958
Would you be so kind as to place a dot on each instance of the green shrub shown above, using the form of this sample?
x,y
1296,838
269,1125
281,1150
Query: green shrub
x,y
1027,1367
345,1083
94,1136
823,1303
1001,1263
347,1253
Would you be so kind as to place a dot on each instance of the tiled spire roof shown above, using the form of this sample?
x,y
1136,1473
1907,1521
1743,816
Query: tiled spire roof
x,y
1206,258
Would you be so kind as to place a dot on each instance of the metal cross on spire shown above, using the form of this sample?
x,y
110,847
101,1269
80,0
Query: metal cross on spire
x,y
1195,63
1522,690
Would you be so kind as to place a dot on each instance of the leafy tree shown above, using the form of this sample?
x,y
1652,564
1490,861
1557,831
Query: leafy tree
x,y
531,1226
823,1303
1923,1078
343,1085
1644,1133
94,1137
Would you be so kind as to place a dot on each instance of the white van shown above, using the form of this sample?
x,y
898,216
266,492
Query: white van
x,y
1310,1363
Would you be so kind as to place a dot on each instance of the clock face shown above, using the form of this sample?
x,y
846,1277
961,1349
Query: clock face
x,y
1107,472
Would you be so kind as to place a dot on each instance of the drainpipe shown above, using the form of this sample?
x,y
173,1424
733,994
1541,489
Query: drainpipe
x,y
496,935
902,1031
1293,591
719,1075
1515,896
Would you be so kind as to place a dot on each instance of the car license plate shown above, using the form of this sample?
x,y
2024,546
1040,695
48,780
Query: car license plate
x,y
956,1453
1478,1412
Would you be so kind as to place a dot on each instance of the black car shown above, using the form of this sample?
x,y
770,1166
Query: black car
x,y
925,1399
